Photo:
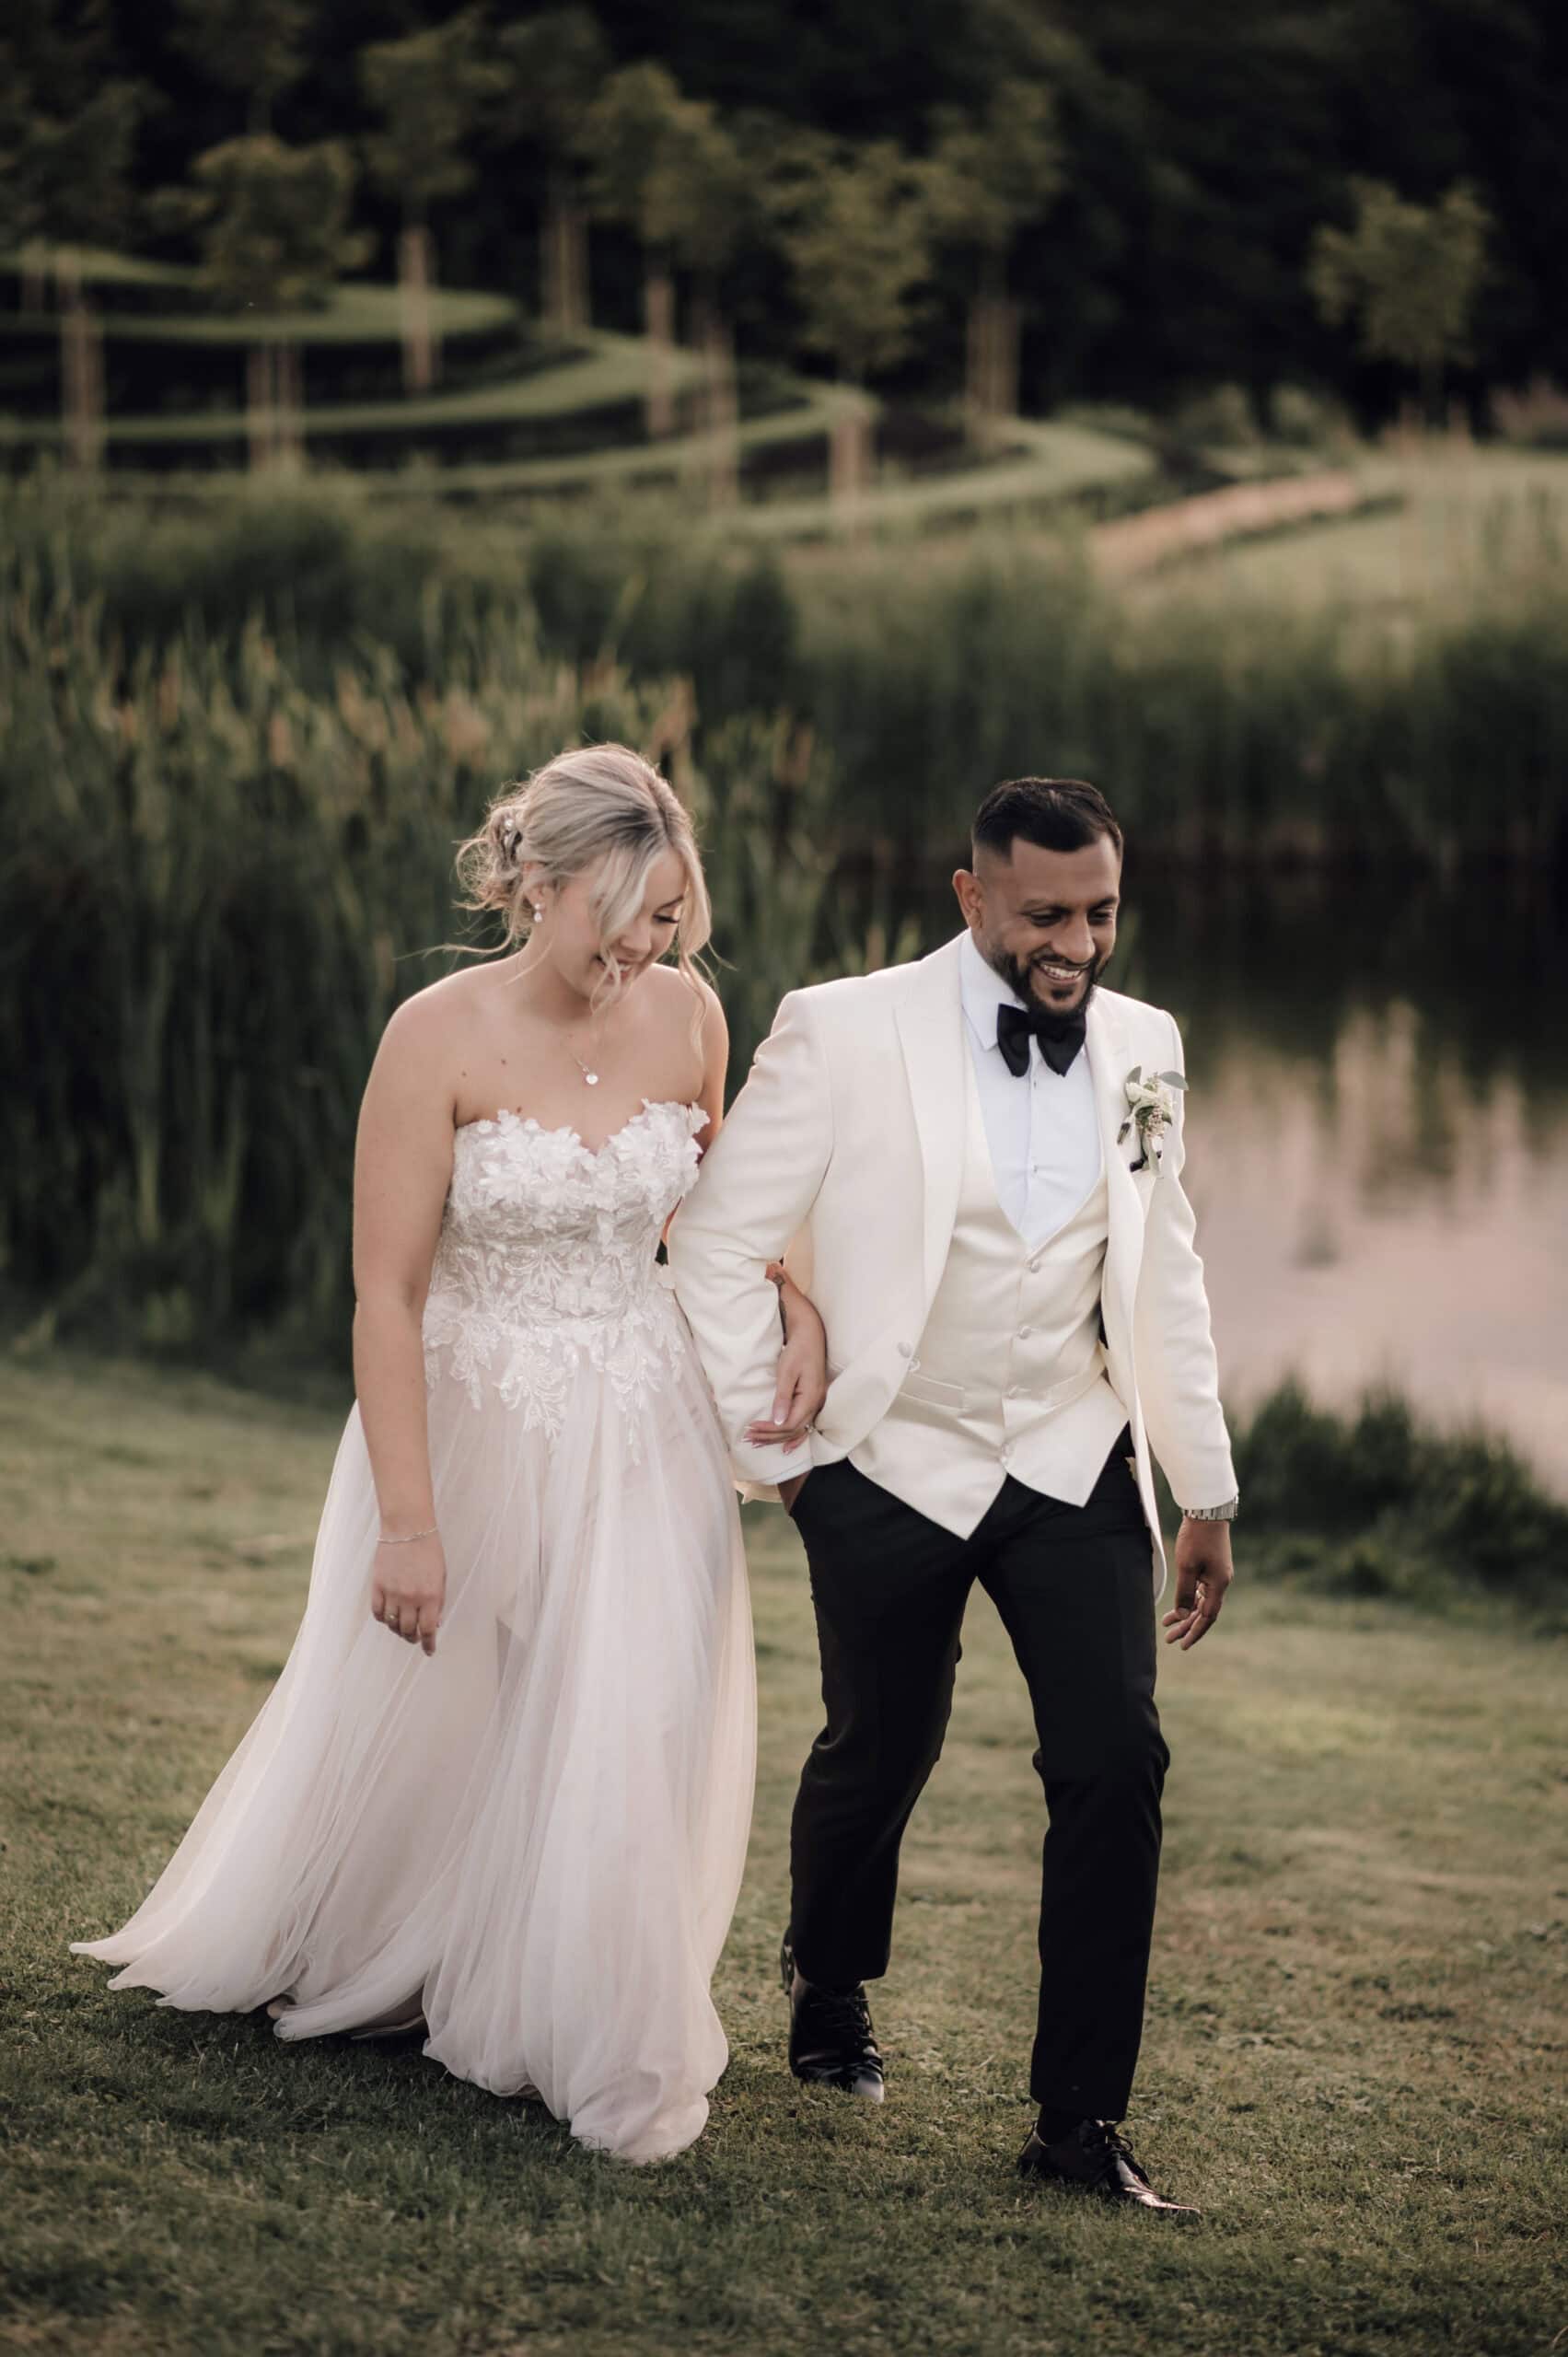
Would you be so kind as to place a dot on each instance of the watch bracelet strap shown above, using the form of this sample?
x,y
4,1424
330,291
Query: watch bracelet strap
x,y
1227,1512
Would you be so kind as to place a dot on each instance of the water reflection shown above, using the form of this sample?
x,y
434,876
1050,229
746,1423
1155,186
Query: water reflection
x,y
1378,1133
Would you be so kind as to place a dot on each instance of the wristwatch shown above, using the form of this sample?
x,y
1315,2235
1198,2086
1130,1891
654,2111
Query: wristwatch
x,y
1227,1512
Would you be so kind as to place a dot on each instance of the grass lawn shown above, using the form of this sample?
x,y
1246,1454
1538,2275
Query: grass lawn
x,y
616,370
358,311
1456,525
1355,2024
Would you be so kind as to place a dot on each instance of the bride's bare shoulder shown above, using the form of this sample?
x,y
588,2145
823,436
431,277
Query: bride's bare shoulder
x,y
443,1014
672,994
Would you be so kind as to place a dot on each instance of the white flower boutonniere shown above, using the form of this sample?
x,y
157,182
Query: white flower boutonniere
x,y
1151,1108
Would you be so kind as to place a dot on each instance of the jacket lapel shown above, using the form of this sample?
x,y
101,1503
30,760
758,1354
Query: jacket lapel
x,y
931,1031
1110,1063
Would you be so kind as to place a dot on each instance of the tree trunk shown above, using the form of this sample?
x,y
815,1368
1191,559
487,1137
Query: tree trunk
x,y
1432,393
289,391
659,326
416,279
563,262
261,413
991,371
974,372
722,413
33,276
81,369
574,237
849,463
1005,359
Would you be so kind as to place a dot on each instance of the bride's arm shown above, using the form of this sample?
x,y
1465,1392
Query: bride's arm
x,y
756,1189
800,1385
403,1168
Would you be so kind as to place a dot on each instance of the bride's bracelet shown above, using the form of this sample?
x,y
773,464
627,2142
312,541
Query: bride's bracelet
x,y
408,1537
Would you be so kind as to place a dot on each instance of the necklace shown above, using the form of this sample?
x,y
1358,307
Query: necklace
x,y
591,1078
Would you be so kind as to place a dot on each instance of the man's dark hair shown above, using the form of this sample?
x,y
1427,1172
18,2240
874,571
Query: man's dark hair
x,y
1058,813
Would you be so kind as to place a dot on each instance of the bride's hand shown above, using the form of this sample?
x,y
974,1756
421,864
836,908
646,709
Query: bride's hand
x,y
408,1587
801,1384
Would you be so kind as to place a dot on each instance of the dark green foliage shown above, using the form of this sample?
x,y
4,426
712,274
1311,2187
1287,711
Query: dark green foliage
x,y
1200,149
1374,1503
239,753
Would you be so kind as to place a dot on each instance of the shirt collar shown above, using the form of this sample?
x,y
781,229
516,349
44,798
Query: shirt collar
x,y
984,992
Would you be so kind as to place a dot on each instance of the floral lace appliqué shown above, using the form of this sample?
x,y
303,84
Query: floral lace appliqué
x,y
546,1262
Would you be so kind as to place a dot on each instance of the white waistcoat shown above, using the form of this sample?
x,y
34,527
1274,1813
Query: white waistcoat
x,y
1009,1376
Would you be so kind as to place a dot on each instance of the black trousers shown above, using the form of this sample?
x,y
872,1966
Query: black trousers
x,y
1071,1586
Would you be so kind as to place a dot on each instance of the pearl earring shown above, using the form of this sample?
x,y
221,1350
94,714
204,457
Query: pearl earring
x,y
538,913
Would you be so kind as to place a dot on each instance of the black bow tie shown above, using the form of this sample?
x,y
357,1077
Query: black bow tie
x,y
1060,1037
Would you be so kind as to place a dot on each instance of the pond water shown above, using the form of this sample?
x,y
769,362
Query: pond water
x,y
1377,1132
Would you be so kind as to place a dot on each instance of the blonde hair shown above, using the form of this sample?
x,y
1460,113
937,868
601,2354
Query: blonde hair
x,y
597,804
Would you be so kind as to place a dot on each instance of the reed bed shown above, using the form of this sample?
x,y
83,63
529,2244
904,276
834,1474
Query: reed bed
x,y
236,755
214,887
1223,726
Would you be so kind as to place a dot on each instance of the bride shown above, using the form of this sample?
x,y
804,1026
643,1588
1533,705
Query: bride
x,y
502,1788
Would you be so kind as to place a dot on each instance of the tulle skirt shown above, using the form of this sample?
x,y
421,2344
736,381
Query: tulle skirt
x,y
533,1838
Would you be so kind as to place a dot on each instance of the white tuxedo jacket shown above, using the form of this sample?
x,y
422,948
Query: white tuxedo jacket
x,y
843,1155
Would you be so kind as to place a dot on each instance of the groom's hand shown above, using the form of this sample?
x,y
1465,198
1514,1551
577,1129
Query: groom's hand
x,y
790,1489
1203,1572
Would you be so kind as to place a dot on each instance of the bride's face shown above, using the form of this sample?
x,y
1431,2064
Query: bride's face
x,y
570,935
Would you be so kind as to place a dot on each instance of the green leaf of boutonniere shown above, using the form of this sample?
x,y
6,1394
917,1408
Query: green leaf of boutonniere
x,y
1173,1079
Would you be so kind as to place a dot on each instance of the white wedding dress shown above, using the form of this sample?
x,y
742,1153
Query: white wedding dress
x,y
535,1837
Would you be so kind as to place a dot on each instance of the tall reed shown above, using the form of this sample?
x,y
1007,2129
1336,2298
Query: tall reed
x,y
1220,727
236,754
214,885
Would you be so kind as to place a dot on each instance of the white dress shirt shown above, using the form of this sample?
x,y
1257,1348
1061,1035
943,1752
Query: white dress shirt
x,y
1040,1125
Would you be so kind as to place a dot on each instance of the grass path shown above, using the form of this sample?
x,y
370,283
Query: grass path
x,y
1436,524
1356,2024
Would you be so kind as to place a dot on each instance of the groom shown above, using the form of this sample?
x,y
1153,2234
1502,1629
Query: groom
x,y
976,1166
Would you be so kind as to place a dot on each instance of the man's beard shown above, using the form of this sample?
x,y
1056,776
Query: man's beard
x,y
1019,980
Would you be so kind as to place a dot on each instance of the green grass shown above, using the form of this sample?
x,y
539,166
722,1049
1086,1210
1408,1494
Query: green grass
x,y
359,312
616,370
1355,2028
1054,463
1453,526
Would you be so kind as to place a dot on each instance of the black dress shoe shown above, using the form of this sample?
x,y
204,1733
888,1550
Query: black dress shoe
x,y
831,2039
1095,2156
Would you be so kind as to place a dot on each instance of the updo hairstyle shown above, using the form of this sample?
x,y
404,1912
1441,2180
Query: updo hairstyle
x,y
597,805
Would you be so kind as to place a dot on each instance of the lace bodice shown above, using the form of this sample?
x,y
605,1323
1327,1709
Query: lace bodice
x,y
546,1260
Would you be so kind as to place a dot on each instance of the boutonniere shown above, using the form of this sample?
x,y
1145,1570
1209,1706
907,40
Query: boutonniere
x,y
1151,1108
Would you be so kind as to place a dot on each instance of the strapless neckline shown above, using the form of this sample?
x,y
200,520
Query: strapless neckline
x,y
503,1119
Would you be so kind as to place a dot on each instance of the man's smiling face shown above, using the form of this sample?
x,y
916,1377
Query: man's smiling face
x,y
1044,921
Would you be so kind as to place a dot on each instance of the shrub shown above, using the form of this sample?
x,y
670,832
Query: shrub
x,y
1374,1503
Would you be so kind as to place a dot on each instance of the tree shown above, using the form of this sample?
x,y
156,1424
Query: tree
x,y
1411,273
252,49
553,66
430,89
856,230
987,174
632,134
272,222
708,202
67,139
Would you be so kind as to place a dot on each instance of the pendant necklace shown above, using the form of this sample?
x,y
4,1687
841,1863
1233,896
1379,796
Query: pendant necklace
x,y
589,1072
